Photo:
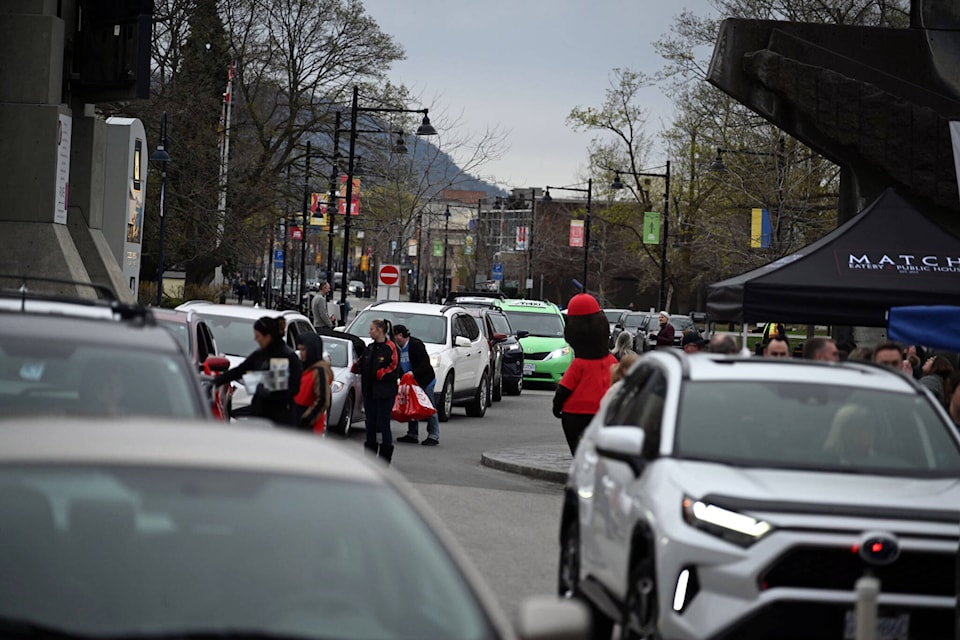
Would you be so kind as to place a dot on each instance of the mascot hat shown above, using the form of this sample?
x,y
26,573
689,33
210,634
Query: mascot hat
x,y
587,329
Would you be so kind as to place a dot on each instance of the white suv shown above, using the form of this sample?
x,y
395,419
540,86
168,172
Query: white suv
x,y
458,352
743,498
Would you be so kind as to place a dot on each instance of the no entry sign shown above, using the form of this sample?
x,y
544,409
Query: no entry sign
x,y
389,275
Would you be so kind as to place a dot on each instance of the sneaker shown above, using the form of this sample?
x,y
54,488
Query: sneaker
x,y
430,442
408,439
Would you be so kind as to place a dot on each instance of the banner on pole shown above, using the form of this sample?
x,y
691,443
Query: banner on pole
x,y
651,227
759,229
354,197
521,238
438,247
468,245
576,233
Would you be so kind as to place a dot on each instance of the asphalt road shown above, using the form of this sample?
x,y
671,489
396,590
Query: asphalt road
x,y
508,524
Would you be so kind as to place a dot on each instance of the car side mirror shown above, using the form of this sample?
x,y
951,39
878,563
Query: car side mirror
x,y
550,618
523,334
624,444
461,341
216,363
499,337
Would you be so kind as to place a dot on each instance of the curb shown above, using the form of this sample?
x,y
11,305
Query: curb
x,y
537,473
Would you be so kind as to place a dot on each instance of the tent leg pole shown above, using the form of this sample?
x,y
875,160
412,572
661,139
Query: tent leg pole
x,y
743,343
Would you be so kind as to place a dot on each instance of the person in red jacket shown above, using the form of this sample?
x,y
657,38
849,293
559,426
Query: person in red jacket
x,y
578,395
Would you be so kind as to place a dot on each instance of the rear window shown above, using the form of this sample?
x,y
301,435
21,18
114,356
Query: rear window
x,y
432,329
234,336
793,425
64,378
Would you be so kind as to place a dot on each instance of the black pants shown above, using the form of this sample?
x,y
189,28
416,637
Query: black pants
x,y
574,424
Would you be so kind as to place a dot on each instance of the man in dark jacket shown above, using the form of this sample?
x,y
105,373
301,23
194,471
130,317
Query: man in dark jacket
x,y
280,368
414,358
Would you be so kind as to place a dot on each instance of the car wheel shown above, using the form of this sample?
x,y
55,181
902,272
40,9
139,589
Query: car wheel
x,y
346,418
478,406
515,388
640,606
568,582
445,405
497,386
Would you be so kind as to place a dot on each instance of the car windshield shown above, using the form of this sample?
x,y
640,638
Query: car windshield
x,y
613,316
635,321
234,336
128,551
432,329
795,425
337,350
180,331
544,325
64,378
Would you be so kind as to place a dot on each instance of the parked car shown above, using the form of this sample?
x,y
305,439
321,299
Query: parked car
x,y
458,352
506,354
197,341
232,327
614,316
638,324
681,324
164,529
546,353
341,350
717,497
98,358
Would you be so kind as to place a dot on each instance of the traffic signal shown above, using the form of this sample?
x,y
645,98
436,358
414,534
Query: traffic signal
x,y
364,263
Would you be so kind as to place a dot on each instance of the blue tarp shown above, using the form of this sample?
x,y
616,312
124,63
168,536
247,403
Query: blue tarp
x,y
933,326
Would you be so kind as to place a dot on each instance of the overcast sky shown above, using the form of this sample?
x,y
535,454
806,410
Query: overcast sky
x,y
523,65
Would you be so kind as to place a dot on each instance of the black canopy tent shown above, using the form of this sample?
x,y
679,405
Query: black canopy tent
x,y
888,255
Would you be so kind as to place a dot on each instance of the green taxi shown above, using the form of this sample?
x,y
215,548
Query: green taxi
x,y
546,354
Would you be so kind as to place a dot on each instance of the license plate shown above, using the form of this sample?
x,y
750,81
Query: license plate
x,y
528,368
888,628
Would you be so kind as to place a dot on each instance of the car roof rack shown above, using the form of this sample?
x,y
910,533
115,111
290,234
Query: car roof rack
x,y
107,297
499,295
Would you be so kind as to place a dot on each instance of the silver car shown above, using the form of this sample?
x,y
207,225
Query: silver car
x,y
346,405
743,498
162,529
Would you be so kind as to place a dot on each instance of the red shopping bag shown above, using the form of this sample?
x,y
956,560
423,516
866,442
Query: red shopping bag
x,y
412,402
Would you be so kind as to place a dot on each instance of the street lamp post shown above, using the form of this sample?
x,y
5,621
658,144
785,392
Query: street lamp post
x,y
416,288
618,184
163,156
586,224
530,236
425,129
445,291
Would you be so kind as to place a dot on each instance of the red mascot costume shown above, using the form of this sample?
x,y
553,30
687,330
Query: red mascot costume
x,y
578,395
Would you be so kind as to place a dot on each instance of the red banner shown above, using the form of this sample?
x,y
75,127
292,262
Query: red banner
x,y
354,197
576,233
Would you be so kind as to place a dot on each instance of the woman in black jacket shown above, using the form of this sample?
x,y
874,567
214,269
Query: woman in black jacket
x,y
378,368
281,373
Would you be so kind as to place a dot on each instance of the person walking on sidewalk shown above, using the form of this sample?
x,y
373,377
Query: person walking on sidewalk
x,y
578,395
321,313
378,368
414,358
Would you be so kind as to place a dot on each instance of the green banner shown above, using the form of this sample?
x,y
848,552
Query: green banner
x,y
651,227
438,247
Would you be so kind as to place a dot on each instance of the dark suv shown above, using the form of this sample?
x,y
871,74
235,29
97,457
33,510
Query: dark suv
x,y
506,354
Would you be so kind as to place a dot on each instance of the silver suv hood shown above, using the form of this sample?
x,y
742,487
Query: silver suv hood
x,y
815,487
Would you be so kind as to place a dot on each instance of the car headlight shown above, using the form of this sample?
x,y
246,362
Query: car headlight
x,y
558,353
337,386
435,361
738,528
514,347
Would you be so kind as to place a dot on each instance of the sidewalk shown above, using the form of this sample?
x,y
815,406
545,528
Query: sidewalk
x,y
546,462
